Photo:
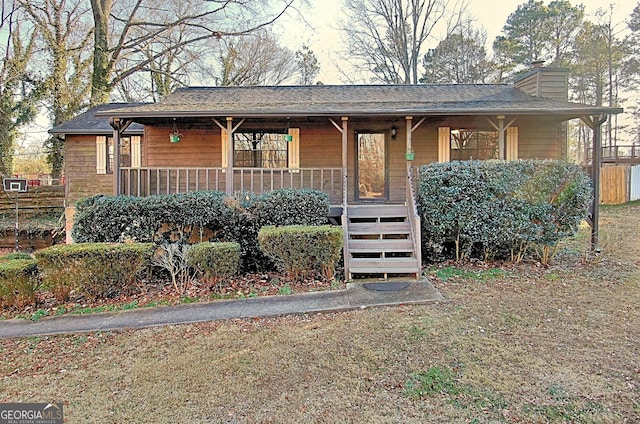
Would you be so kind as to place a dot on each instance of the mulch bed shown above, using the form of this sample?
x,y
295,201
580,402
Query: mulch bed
x,y
161,292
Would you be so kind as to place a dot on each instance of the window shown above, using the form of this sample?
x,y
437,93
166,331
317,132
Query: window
x,y
125,153
467,144
259,149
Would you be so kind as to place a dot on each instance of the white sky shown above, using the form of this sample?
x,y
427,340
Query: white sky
x,y
325,41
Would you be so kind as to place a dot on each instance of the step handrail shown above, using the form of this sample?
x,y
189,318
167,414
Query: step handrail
x,y
414,217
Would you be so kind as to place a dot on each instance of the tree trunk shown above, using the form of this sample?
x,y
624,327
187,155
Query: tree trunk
x,y
100,80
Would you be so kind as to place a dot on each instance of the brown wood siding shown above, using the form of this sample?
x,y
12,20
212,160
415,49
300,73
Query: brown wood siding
x,y
545,82
539,139
82,181
198,147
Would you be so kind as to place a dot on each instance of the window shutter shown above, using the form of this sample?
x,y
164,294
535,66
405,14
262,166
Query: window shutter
x,y
293,148
101,154
224,144
512,143
136,154
444,144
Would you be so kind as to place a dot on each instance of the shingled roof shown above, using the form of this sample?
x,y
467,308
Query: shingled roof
x,y
350,100
88,123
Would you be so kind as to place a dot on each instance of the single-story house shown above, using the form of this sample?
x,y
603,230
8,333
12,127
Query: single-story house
x,y
357,143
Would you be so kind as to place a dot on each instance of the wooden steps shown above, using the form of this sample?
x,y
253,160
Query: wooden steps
x,y
380,242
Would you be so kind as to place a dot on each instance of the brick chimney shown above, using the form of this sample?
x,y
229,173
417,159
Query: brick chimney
x,y
540,81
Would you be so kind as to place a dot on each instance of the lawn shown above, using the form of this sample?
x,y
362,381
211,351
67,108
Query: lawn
x,y
514,344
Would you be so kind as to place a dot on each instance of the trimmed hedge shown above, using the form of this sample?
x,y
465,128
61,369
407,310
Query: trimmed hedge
x,y
498,210
95,270
18,282
302,250
215,260
198,216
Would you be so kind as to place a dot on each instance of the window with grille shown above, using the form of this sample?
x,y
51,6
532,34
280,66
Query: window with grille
x,y
468,144
259,149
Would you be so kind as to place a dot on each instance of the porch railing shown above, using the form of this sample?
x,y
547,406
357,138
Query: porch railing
x,y
165,180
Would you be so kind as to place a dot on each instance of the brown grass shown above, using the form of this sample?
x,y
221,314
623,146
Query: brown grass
x,y
527,344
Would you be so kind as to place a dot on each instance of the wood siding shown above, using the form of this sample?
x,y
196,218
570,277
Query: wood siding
x,y
198,147
82,180
551,83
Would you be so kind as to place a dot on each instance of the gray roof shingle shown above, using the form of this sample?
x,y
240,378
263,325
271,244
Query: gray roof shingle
x,y
349,100
88,123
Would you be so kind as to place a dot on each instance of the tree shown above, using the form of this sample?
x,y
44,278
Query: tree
x,y
19,91
536,32
596,70
308,65
459,59
139,22
65,33
564,22
388,37
254,59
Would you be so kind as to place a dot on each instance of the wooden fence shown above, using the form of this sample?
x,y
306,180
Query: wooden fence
x,y
41,201
613,185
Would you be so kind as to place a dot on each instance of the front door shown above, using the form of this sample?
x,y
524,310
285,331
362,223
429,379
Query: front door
x,y
371,166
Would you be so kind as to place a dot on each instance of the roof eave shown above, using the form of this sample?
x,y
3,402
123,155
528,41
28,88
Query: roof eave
x,y
575,112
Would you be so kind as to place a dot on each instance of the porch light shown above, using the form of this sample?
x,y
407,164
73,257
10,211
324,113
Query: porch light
x,y
394,132
174,135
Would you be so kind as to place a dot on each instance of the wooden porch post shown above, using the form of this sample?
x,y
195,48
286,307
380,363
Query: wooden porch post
x,y
229,179
119,126
501,132
595,123
502,129
345,119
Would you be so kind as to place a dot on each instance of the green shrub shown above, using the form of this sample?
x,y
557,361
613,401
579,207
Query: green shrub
x,y
18,282
291,207
497,209
279,207
215,260
198,216
161,218
16,255
95,270
302,250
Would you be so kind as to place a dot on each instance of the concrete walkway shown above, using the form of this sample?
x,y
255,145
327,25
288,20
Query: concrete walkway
x,y
356,295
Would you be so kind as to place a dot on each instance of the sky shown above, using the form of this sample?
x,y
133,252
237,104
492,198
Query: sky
x,y
325,39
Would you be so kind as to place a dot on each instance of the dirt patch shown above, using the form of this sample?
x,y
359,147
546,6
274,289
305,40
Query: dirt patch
x,y
517,344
